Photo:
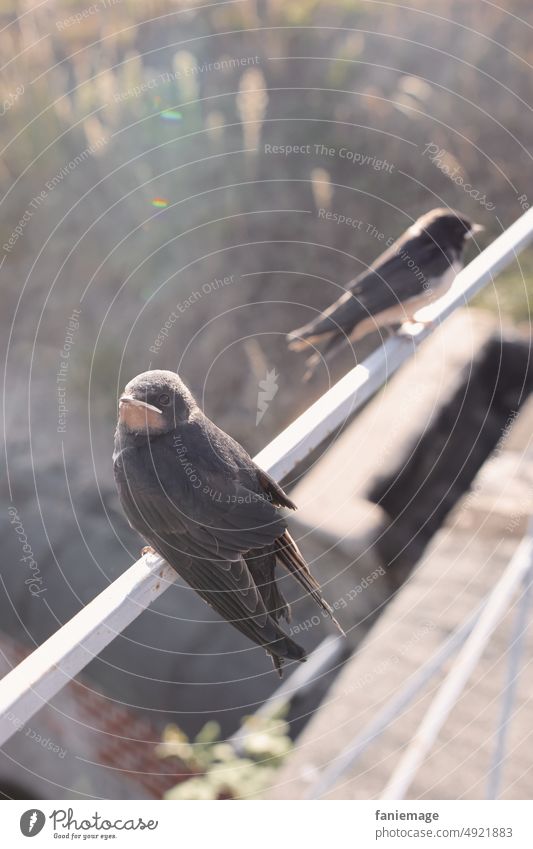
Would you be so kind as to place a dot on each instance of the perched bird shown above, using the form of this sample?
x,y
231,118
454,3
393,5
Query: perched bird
x,y
200,501
414,271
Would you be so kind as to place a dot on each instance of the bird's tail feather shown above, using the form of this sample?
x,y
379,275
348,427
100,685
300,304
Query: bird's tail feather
x,y
285,648
291,557
302,337
262,565
333,346
296,344
230,601
279,661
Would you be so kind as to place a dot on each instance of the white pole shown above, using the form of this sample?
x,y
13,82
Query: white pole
x,y
392,709
516,650
497,604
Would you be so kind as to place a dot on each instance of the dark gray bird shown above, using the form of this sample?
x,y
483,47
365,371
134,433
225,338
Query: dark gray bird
x,y
200,501
416,270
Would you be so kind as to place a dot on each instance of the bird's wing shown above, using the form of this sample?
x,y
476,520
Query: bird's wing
x,y
399,274
230,590
219,524
210,560
262,566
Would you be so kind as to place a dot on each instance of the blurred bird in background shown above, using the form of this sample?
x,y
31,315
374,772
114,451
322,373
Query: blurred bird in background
x,y
416,270
200,501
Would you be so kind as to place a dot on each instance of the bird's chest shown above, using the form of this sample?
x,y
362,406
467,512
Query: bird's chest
x,y
434,288
438,286
172,470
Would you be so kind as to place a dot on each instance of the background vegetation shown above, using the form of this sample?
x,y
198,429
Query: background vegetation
x,y
379,79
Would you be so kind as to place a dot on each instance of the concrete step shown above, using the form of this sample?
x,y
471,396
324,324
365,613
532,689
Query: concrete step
x,y
459,569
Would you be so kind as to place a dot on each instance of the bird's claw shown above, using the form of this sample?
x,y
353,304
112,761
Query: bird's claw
x,y
427,324
278,663
410,327
147,549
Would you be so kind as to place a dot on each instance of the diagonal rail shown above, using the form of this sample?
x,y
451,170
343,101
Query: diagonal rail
x,y
515,656
497,605
31,684
392,709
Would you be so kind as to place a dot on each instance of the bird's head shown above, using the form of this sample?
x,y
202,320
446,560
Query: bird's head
x,y
155,402
448,228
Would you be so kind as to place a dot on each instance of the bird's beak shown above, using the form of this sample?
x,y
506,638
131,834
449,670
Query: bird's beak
x,y
130,400
475,228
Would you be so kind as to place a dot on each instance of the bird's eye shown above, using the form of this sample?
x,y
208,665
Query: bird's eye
x,y
164,400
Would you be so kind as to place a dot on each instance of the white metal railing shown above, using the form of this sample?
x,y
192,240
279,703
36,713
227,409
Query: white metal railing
x,y
497,604
468,641
31,684
391,710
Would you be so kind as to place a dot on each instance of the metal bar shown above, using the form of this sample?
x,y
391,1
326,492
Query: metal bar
x,y
516,650
41,675
497,604
392,709
31,684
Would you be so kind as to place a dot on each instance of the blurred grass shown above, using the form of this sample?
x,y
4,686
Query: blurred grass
x,y
361,76
511,293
